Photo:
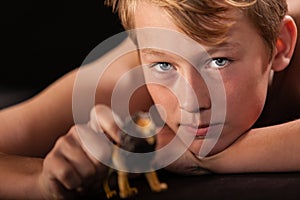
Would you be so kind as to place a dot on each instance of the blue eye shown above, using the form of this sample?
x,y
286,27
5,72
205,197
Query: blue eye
x,y
218,63
161,72
163,66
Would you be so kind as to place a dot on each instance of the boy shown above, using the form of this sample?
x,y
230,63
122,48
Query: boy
x,y
42,161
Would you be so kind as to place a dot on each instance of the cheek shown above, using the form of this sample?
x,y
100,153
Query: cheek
x,y
245,99
162,96
246,105
166,100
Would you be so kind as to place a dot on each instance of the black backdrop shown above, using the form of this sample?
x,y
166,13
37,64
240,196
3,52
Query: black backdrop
x,y
41,40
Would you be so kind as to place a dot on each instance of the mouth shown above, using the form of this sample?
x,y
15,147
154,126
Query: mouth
x,y
199,132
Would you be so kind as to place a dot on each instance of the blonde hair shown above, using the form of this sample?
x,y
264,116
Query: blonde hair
x,y
203,20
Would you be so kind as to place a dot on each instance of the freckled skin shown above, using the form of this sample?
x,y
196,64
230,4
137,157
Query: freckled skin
x,y
37,135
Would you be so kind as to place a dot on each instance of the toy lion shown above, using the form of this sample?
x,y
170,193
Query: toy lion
x,y
141,125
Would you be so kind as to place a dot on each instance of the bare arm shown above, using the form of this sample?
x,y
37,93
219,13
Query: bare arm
x,y
25,130
32,127
268,149
19,176
29,135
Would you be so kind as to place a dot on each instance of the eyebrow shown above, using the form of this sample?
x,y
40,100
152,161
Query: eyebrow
x,y
161,54
154,52
230,46
234,46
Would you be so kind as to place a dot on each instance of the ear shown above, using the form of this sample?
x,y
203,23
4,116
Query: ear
x,y
285,44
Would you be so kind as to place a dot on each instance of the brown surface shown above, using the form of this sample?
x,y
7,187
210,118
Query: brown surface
x,y
215,187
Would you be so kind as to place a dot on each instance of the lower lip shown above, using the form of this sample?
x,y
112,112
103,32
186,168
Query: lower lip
x,y
198,132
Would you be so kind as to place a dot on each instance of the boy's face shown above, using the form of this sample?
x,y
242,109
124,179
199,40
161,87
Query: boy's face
x,y
242,63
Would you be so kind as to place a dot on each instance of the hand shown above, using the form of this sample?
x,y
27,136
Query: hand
x,y
73,166
104,120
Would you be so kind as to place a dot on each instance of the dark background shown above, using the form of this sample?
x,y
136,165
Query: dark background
x,y
256,186
42,40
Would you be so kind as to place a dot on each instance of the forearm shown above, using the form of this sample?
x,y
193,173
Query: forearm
x,y
268,149
32,127
19,177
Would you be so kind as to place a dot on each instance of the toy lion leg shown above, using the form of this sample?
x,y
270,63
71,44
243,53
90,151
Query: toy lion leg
x,y
109,193
124,187
154,183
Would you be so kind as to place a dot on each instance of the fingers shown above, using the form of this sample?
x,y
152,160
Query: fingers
x,y
69,167
104,120
79,159
74,154
97,146
68,163
64,172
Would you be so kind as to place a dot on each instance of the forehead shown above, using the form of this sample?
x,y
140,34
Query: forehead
x,y
149,15
156,31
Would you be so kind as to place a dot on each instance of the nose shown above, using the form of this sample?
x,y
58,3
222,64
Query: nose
x,y
193,92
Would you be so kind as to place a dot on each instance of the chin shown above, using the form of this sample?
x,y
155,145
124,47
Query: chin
x,y
210,146
187,164
203,148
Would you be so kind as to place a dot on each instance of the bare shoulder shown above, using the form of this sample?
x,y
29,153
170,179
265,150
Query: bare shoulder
x,y
294,8
283,101
293,70
124,78
294,12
